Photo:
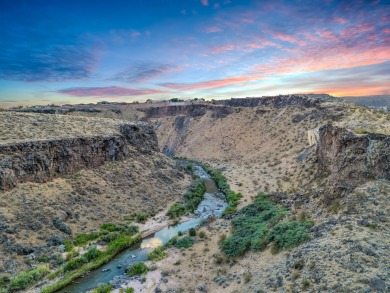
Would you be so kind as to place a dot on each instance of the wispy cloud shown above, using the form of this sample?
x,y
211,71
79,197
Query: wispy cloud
x,y
109,91
205,2
210,83
144,71
212,29
224,48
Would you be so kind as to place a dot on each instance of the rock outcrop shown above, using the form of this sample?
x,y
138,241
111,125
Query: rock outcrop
x,y
42,160
349,160
282,101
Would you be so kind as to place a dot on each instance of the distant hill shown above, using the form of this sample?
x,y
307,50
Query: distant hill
x,y
370,101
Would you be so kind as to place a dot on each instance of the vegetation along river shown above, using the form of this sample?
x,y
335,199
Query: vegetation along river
x,y
213,204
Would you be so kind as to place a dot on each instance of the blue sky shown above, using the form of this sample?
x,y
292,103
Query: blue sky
x,y
88,51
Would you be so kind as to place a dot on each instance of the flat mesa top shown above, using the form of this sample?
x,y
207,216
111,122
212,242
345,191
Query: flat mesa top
x,y
19,127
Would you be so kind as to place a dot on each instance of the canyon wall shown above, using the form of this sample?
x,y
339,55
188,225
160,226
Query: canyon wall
x,y
42,160
349,160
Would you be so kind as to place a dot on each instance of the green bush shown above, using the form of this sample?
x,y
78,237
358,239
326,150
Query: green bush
x,y
68,245
109,227
24,279
127,290
103,288
43,258
190,167
92,253
83,239
250,225
289,234
184,242
257,224
192,232
141,217
137,269
157,254
176,210
74,264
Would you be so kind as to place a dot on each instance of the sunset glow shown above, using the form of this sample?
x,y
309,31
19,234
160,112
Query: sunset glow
x,y
87,51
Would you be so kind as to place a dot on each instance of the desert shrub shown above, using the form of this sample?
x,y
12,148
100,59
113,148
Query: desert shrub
x,y
190,167
24,279
250,225
176,210
68,245
184,242
192,232
202,234
137,269
82,239
109,227
108,238
289,234
141,217
103,288
157,254
92,253
42,258
127,290
74,264
132,229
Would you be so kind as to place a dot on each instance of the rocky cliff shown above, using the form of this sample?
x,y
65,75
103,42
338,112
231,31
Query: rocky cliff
x,y
42,160
189,110
282,101
350,160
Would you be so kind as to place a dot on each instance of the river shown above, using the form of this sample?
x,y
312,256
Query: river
x,y
213,203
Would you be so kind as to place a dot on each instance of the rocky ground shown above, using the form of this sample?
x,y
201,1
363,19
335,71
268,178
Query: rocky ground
x,y
263,149
267,150
36,218
16,127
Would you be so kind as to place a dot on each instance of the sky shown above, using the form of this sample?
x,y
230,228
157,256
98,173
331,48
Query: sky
x,y
70,51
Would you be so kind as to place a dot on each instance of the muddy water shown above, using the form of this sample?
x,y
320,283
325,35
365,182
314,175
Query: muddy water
x,y
214,203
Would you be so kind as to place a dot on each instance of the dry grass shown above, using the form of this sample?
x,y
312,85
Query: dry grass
x,y
16,127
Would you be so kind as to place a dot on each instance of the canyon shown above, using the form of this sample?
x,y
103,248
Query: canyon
x,y
320,157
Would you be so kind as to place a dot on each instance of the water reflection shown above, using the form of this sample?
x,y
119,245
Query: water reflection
x,y
151,243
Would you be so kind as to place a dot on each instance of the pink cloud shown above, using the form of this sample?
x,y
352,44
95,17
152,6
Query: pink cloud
x,y
213,29
205,2
210,83
108,91
288,38
222,49
386,30
340,20
327,35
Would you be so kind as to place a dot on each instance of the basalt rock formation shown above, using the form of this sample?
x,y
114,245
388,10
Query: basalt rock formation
x,y
310,100
350,160
42,160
